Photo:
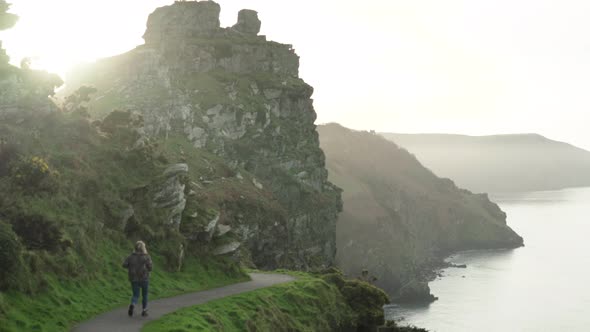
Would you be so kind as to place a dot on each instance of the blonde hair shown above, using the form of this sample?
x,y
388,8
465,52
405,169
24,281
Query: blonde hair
x,y
140,247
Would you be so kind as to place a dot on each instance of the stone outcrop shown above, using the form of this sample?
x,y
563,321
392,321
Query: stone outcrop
x,y
222,230
183,21
237,95
226,248
169,195
415,292
248,22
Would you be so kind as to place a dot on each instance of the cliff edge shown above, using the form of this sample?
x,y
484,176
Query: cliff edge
x,y
400,219
232,93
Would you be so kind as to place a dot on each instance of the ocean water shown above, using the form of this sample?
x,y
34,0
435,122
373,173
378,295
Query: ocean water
x,y
544,286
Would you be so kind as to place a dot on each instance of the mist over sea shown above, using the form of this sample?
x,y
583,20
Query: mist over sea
x,y
543,286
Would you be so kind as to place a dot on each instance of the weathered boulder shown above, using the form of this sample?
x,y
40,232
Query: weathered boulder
x,y
257,184
175,170
211,227
222,230
227,248
169,195
248,22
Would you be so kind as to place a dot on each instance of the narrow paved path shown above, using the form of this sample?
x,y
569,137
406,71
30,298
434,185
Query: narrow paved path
x,y
117,320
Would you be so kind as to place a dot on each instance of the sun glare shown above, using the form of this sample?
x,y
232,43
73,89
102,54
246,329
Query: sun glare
x,y
57,35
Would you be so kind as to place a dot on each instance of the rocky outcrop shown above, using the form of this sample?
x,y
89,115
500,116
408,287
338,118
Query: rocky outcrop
x,y
415,292
226,248
232,93
248,22
169,195
183,21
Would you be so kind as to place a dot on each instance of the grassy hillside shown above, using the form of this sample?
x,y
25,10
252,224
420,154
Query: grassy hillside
x,y
63,301
64,187
500,163
399,218
63,182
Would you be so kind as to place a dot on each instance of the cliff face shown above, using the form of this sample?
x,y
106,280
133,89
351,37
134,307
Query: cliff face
x,y
232,93
501,163
399,218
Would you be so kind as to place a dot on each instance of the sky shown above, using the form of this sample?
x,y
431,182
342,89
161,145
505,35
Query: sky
x,y
473,67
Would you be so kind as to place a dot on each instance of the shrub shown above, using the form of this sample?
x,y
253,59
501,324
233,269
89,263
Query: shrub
x,y
30,172
39,233
8,153
10,256
117,120
366,300
125,127
76,102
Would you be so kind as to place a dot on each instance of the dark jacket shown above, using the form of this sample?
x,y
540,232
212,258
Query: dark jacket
x,y
139,266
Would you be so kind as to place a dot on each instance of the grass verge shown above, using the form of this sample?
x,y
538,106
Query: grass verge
x,y
306,304
63,303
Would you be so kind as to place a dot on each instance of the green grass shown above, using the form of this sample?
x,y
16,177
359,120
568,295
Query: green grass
x,y
58,285
307,304
65,302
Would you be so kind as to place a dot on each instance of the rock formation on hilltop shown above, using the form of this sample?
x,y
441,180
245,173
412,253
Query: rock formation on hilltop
x,y
235,94
400,219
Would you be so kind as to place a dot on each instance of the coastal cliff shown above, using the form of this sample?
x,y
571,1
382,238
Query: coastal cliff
x,y
232,93
399,218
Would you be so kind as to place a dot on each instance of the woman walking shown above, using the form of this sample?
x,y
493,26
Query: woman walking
x,y
139,265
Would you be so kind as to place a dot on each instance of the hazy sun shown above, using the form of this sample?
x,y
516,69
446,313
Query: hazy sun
x,y
59,34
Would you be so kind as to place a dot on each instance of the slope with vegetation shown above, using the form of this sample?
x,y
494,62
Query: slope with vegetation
x,y
500,163
74,196
400,219
79,182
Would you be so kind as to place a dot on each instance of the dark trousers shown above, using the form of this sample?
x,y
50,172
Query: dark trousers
x,y
143,286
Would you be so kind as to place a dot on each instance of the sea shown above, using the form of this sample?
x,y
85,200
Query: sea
x,y
543,286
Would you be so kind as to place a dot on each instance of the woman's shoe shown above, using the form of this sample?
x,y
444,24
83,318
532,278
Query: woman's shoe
x,y
144,313
130,311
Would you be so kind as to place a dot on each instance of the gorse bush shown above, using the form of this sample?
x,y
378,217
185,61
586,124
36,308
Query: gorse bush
x,y
30,172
